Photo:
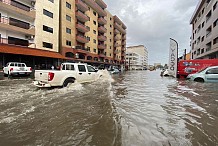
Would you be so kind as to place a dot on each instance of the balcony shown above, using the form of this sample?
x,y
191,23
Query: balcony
x,y
117,45
82,28
102,46
80,49
18,8
102,29
81,5
96,7
117,38
81,39
102,55
124,37
15,25
117,26
124,43
116,31
102,38
82,16
14,41
101,4
102,21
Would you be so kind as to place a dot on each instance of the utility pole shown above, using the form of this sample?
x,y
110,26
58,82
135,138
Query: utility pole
x,y
185,55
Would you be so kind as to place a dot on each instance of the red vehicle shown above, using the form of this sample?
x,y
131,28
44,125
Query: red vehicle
x,y
186,67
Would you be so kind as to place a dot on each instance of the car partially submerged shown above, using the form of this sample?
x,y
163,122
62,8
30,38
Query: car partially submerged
x,y
69,73
209,74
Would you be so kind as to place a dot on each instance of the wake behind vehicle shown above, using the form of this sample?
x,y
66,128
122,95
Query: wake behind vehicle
x,y
68,73
209,74
16,68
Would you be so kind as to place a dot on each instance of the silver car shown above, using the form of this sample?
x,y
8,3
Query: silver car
x,y
209,74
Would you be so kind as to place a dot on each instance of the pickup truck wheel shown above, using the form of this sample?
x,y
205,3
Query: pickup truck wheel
x,y
199,80
67,81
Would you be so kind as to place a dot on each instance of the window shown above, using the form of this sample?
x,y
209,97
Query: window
x,y
110,33
68,43
214,6
94,13
51,1
94,41
215,41
90,69
68,18
47,13
48,29
110,26
212,71
202,25
88,49
94,22
47,45
202,39
68,5
82,68
69,67
68,30
215,23
94,31
95,50
88,38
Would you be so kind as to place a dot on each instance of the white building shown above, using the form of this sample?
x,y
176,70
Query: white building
x,y
137,57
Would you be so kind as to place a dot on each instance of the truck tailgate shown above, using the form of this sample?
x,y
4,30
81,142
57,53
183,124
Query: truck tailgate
x,y
41,75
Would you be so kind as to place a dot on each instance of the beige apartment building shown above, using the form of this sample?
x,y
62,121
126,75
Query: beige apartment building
x,y
53,31
94,29
204,40
137,57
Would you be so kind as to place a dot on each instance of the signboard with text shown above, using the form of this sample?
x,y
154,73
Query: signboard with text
x,y
173,57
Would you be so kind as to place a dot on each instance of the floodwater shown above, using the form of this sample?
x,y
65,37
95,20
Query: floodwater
x,y
136,108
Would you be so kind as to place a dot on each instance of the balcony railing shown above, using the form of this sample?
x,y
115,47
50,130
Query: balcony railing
x,y
102,38
17,5
18,8
17,25
14,41
116,31
101,4
81,39
96,7
102,46
82,27
102,21
81,5
82,16
102,29
117,26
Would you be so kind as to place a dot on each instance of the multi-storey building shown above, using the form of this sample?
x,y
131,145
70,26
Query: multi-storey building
x,y
134,61
137,57
204,40
54,31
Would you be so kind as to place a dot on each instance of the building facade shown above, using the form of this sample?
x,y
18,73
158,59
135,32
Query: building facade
x,y
204,40
54,31
137,57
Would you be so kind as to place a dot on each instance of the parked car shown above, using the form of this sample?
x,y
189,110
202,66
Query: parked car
x,y
209,74
68,73
16,68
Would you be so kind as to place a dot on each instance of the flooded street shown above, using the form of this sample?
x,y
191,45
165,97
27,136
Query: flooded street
x,y
137,108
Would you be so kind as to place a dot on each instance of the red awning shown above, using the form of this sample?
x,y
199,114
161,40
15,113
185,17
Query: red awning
x,y
12,49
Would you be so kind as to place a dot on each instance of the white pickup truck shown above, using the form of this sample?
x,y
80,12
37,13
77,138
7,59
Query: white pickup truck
x,y
16,68
68,73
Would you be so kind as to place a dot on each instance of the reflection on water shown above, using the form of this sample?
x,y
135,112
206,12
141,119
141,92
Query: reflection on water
x,y
133,109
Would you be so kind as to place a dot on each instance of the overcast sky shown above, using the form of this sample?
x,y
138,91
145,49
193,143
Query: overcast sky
x,y
153,22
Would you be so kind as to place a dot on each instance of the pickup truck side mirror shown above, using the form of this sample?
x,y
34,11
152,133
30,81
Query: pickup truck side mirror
x,y
96,70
